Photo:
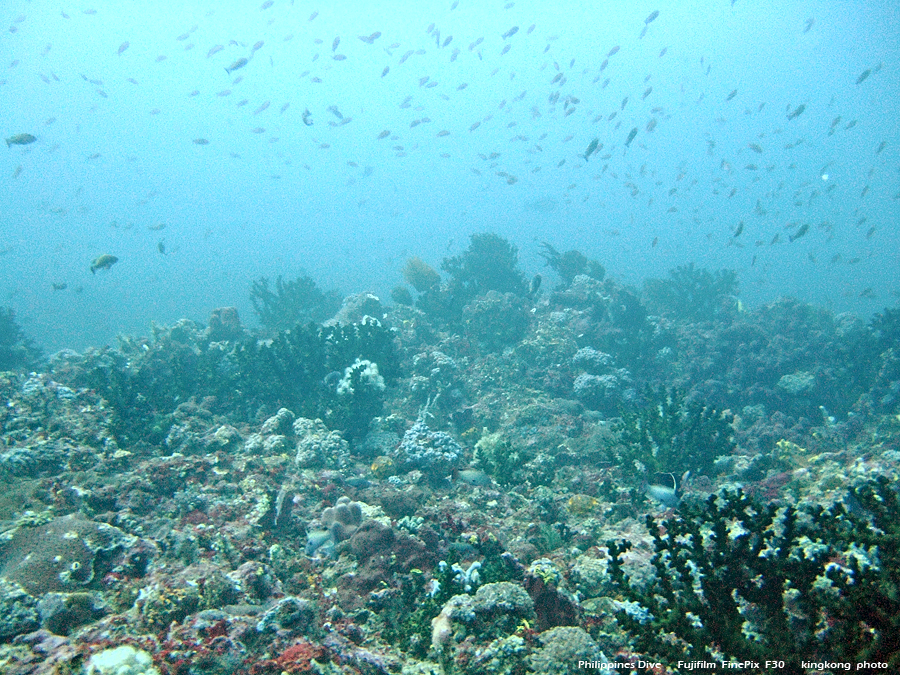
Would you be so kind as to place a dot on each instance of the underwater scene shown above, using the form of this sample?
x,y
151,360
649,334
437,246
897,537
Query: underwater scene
x,y
449,337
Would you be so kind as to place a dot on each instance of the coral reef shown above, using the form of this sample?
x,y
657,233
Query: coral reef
x,y
693,293
446,487
496,320
570,264
738,580
490,263
292,302
435,453
17,351
673,435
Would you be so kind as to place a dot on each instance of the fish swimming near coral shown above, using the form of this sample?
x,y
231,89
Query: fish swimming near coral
x,y
103,262
666,495
20,139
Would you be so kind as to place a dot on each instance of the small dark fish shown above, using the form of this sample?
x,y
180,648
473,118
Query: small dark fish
x,y
512,31
103,262
591,148
799,233
201,141
257,46
307,118
161,247
863,75
796,112
335,43
333,109
755,148
386,70
535,285
20,139
631,135
740,228
809,24
122,47
240,63
612,52
731,95
652,17
61,286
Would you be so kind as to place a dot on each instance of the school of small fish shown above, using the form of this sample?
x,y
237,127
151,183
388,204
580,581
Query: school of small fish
x,y
590,115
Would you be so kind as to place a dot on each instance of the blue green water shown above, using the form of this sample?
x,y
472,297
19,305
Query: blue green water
x,y
118,93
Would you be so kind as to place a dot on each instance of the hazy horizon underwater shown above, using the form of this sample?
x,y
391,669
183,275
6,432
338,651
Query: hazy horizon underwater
x,y
207,148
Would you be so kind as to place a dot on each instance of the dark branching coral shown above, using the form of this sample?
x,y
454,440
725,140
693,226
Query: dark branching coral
x,y
489,264
672,435
739,580
16,349
570,264
292,302
886,327
692,293
301,369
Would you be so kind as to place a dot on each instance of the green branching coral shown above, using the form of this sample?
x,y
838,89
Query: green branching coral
x,y
739,580
672,435
292,302
692,293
